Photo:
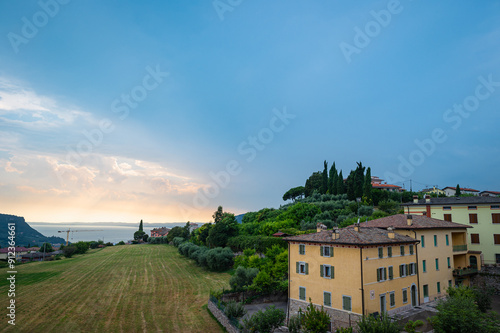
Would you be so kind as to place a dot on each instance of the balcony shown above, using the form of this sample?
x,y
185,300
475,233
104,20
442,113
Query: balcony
x,y
464,272
459,248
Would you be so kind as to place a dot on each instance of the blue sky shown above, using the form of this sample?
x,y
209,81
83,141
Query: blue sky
x,y
267,89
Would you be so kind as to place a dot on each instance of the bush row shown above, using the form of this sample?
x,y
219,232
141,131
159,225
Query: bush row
x,y
217,259
259,243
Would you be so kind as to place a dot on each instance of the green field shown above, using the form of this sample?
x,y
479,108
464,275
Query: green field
x,y
131,288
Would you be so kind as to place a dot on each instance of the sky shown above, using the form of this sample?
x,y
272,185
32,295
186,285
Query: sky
x,y
164,110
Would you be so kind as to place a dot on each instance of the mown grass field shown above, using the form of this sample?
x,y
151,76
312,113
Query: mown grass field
x,y
131,288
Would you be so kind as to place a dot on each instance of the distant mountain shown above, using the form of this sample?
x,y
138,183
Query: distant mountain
x,y
239,218
25,235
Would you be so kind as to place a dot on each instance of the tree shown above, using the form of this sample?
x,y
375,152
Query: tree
x,y
69,251
222,231
324,178
340,184
217,216
313,183
457,191
139,234
359,180
176,232
264,321
243,277
380,324
46,247
145,237
315,320
294,193
332,180
367,188
140,226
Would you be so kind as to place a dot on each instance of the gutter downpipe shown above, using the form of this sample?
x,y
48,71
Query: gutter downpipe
x,y
288,300
418,270
362,289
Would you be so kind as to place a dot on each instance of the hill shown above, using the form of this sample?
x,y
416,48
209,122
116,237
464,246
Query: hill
x,y
25,234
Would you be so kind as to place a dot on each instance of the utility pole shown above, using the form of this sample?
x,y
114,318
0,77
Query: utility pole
x,y
411,189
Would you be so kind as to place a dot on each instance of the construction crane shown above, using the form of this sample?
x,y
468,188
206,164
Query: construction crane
x,y
68,231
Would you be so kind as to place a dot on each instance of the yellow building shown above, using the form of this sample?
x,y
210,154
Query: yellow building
x,y
442,254
433,190
481,213
352,271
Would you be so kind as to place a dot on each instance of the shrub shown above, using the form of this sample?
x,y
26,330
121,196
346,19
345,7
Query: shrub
x,y
242,278
121,243
235,310
178,241
69,251
219,259
380,324
344,330
411,326
295,323
264,321
315,320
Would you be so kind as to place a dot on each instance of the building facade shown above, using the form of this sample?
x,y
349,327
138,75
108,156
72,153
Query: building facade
x,y
450,191
351,272
480,213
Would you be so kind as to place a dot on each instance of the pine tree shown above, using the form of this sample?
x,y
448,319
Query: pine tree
x,y
140,226
324,184
457,191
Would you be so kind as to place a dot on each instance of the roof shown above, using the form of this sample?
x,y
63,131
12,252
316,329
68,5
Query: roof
x,y
384,185
492,192
18,249
349,236
419,222
455,201
461,189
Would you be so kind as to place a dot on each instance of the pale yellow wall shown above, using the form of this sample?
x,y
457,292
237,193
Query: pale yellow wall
x,y
347,280
485,228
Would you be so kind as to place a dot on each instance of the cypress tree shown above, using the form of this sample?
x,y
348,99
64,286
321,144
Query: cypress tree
x,y
332,180
340,184
358,180
457,191
324,184
367,189
140,226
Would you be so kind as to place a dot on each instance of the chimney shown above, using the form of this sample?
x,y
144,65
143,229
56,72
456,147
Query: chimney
x,y
335,234
409,220
320,227
356,227
427,198
391,233
415,199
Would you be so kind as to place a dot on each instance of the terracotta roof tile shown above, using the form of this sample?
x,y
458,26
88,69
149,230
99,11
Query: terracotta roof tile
x,y
455,201
418,222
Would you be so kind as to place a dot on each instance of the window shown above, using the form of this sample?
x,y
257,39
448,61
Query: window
x,y
446,207
411,249
327,298
327,271
447,217
326,251
422,241
391,273
302,249
497,258
474,238
495,218
424,266
435,240
302,293
437,264
392,299
302,267
389,251
495,206
405,295
402,250
447,240
449,283
426,290
346,303
472,208
473,218
380,252
496,238
449,262
381,274
413,268
403,269
439,287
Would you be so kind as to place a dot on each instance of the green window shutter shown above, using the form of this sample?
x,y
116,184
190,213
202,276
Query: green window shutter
x,y
389,251
400,270
411,249
307,268
297,264
378,275
385,273
439,287
321,253
327,299
391,273
407,269
332,271
331,251
321,270
302,293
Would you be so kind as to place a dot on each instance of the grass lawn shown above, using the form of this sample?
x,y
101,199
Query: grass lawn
x,y
128,288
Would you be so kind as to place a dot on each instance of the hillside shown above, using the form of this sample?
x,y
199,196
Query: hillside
x,y
25,234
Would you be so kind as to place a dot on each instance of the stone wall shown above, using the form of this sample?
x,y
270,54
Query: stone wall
x,y
242,296
488,275
221,317
339,318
